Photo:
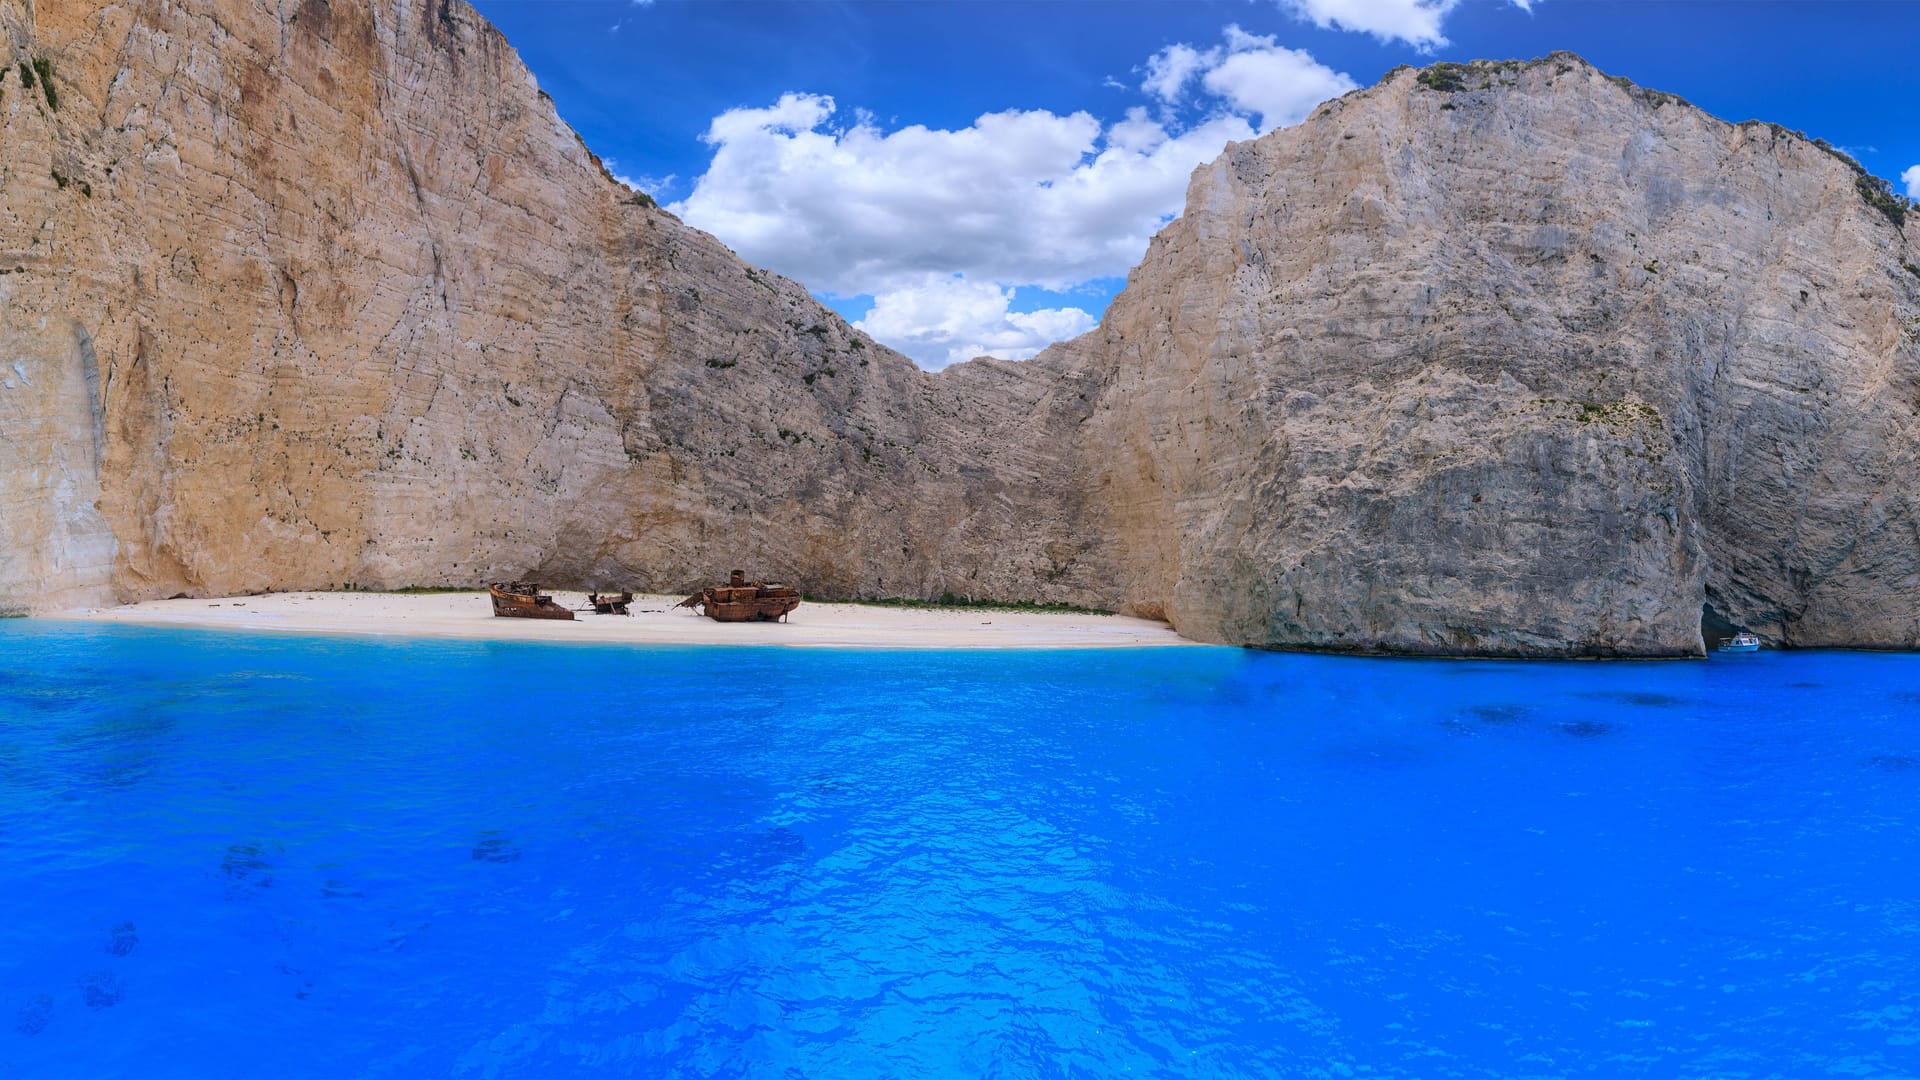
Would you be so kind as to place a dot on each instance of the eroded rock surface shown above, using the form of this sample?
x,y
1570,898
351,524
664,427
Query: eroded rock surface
x,y
324,294
1541,365
55,548
366,313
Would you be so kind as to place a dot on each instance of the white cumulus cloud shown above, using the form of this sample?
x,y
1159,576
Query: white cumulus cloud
x,y
1251,74
1170,69
1282,85
941,226
1911,178
652,185
944,320
1416,22
1018,198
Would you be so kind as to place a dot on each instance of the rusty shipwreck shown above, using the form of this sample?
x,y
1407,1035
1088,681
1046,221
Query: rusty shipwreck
x,y
740,600
524,600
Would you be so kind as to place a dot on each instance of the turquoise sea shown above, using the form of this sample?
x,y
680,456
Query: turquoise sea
x,y
247,856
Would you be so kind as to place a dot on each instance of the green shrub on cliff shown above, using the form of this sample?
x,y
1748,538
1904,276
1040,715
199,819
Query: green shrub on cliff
x,y
45,68
1879,194
1444,76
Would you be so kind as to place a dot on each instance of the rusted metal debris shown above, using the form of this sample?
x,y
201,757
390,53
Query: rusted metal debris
x,y
610,603
524,600
740,600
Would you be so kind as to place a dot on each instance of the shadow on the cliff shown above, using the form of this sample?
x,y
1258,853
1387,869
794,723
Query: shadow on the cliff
x,y
1714,627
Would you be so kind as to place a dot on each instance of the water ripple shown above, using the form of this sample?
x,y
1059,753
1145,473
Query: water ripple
x,y
752,863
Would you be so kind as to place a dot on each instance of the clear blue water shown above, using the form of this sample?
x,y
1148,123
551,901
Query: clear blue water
x,y
247,856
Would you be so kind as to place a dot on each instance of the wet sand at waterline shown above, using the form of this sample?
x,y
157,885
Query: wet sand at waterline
x,y
655,621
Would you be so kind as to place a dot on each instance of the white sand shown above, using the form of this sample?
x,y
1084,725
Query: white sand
x,y
654,622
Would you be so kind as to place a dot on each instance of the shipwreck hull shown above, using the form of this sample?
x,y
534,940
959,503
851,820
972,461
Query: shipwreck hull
x,y
610,603
740,600
765,609
518,600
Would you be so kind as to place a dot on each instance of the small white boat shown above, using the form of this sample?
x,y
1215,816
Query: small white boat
x,y
1740,642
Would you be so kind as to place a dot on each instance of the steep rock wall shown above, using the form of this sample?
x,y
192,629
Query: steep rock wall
x,y
1543,365
55,548
366,313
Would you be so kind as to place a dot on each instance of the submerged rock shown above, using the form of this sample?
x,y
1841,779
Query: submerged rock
x,y
123,939
492,845
33,1017
251,864
101,989
1637,698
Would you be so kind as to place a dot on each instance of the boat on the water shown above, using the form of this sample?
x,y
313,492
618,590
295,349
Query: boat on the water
x,y
524,600
1740,642
740,600
610,603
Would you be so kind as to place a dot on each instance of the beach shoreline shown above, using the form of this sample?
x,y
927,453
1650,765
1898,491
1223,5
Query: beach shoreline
x,y
655,621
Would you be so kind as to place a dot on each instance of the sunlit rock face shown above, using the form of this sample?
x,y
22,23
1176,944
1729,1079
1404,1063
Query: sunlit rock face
x,y
324,294
1543,364
55,548
361,310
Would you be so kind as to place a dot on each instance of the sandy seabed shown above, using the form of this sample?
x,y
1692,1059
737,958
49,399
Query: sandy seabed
x,y
655,621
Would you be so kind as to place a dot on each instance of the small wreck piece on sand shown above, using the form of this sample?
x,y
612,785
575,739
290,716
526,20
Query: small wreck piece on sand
x,y
740,600
608,603
524,600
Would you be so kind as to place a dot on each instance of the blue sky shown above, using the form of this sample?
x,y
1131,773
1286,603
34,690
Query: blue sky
x,y
971,177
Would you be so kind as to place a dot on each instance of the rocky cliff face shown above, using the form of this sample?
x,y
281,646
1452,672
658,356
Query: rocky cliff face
x,y
1517,359
324,294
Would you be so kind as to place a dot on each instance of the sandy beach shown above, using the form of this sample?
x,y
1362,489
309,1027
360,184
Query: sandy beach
x,y
654,621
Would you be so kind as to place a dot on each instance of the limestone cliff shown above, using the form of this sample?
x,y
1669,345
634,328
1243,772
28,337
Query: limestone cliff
x,y
1517,358
342,302
1521,360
